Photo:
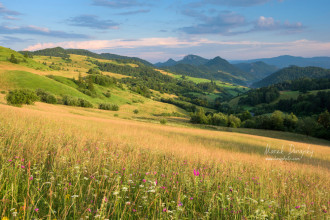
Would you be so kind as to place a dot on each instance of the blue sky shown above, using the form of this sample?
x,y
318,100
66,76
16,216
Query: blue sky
x,y
161,29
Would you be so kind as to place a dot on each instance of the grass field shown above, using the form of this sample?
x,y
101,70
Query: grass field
x,y
64,162
63,165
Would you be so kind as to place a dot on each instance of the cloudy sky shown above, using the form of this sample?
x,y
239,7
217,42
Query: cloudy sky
x,y
161,29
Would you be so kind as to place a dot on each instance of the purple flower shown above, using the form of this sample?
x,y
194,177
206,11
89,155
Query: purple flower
x,y
23,167
180,204
31,178
144,180
36,209
164,210
297,207
191,198
134,210
196,173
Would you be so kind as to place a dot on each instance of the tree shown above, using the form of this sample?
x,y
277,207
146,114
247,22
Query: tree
x,y
90,84
199,117
277,120
324,119
307,126
13,59
290,121
219,119
233,121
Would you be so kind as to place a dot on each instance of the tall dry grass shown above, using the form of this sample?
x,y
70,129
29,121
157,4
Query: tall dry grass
x,y
67,166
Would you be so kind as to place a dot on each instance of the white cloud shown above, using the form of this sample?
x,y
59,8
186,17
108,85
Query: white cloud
x,y
158,48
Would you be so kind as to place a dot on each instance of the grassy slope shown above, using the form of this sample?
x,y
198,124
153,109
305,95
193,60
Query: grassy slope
x,y
81,156
14,76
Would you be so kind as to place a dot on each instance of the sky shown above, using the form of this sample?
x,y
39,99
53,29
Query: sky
x,y
161,29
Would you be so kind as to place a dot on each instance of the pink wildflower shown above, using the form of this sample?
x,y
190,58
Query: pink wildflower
x,y
196,173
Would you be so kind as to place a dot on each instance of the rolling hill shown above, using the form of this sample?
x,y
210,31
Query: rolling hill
x,y
292,73
258,69
60,52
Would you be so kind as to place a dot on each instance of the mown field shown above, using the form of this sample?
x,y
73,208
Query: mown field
x,y
61,162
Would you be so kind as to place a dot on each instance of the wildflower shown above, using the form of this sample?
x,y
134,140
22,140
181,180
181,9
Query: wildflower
x,y
105,199
125,189
8,161
23,167
5,218
74,196
180,204
31,178
164,210
89,210
133,210
144,180
36,209
115,193
128,203
297,207
191,198
196,173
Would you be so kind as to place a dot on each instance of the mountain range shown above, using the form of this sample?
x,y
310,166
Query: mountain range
x,y
218,69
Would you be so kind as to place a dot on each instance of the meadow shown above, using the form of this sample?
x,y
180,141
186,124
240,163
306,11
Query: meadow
x,y
62,162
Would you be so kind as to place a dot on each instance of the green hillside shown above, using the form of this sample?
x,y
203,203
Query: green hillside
x,y
293,73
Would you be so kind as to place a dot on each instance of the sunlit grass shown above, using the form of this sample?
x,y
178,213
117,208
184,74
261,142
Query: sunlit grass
x,y
58,165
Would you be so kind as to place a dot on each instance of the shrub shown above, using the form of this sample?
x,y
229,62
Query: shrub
x,y
107,94
163,121
46,96
136,111
19,97
3,92
84,103
108,106
94,71
69,100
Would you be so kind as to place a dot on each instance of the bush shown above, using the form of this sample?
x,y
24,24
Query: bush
x,y
46,96
69,100
19,97
84,103
94,71
3,92
136,111
163,121
108,106
107,94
